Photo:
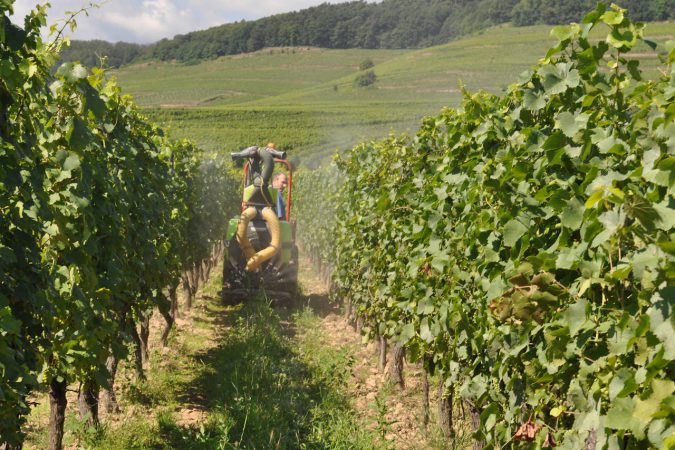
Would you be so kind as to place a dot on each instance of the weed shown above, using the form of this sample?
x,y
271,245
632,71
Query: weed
x,y
380,406
86,436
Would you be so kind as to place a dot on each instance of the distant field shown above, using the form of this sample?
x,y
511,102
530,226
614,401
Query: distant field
x,y
244,78
310,136
304,98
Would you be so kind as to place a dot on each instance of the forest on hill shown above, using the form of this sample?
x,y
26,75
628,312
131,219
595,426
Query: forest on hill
x,y
358,24
91,53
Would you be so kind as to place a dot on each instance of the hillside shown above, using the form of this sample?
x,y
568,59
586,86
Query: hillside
x,y
388,24
304,98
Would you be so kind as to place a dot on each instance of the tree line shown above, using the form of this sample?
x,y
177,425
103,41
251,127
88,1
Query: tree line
x,y
102,53
357,24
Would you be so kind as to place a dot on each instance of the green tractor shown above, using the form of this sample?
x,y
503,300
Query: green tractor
x,y
261,251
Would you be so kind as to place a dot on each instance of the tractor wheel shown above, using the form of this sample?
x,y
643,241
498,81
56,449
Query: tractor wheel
x,y
231,274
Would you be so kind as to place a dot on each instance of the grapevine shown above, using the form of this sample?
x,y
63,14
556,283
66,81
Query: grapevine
x,y
101,215
521,246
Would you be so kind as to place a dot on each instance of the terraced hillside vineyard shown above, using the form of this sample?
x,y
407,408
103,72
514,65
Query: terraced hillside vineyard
x,y
521,246
101,217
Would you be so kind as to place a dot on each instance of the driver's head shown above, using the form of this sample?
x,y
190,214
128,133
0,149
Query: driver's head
x,y
279,181
271,145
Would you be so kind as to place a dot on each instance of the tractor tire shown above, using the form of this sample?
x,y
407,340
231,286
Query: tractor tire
x,y
288,275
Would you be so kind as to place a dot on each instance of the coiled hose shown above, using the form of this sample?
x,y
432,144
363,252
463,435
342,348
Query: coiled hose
x,y
255,260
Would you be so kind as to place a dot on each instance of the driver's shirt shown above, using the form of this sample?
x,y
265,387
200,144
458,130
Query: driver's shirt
x,y
281,206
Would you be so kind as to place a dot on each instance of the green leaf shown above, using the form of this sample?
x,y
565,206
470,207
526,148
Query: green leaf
x,y
407,333
594,199
667,246
622,384
648,408
612,17
575,316
513,230
556,411
72,72
72,162
661,435
660,322
51,229
80,135
94,102
593,16
7,255
10,325
621,272
573,215
14,36
495,288
620,414
425,307
666,214
612,145
555,141
534,101
568,258
570,124
612,220
646,259
661,389
633,68
562,32
645,212
624,40
425,332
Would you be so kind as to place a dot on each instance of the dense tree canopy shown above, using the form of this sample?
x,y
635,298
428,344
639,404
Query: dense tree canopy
x,y
102,53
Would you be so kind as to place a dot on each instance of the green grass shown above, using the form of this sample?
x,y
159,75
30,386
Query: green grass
x,y
238,79
304,100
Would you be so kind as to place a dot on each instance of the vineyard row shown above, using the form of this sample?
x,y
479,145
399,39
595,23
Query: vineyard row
x,y
521,246
102,218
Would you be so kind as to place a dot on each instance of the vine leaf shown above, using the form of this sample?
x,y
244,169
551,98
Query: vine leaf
x,y
513,230
575,316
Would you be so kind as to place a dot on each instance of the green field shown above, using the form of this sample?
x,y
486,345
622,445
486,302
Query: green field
x,y
304,100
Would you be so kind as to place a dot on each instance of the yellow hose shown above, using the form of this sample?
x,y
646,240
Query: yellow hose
x,y
267,253
242,229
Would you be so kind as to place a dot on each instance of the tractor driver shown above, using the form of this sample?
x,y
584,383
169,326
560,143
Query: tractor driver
x,y
279,183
